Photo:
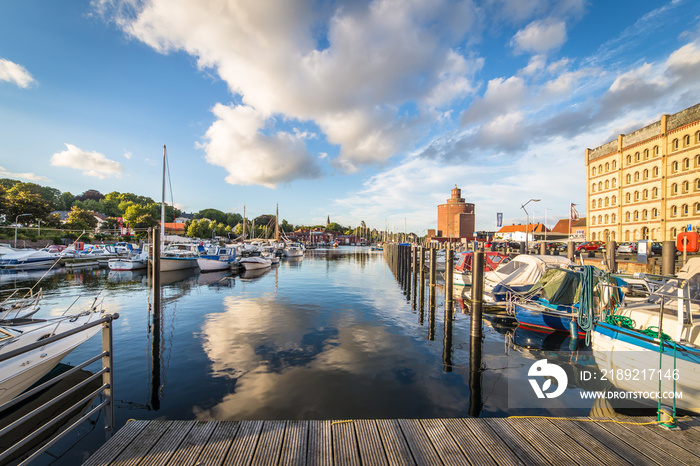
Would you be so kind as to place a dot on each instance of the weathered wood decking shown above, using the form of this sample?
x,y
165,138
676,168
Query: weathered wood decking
x,y
485,441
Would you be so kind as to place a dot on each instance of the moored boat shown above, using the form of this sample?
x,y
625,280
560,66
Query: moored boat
x,y
463,265
216,258
28,259
255,262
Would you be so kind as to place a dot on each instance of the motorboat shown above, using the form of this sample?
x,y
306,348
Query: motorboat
x,y
132,262
22,371
216,258
255,262
19,303
517,277
462,271
293,250
179,256
27,259
273,258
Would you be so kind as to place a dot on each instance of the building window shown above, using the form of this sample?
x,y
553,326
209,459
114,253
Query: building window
x,y
686,140
696,209
674,211
593,219
674,189
674,167
628,178
636,215
593,188
697,184
593,171
614,200
697,160
628,217
686,163
656,151
614,182
654,213
593,204
656,172
607,201
646,174
697,136
636,157
655,193
614,217
684,210
614,165
607,218
636,195
646,154
629,160
645,194
636,176
686,186
600,185
673,232
674,144
628,197
607,167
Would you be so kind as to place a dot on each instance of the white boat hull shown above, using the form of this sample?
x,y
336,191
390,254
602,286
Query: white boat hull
x,y
168,264
127,264
259,263
213,265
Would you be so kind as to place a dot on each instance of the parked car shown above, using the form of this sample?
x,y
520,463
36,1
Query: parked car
x,y
656,248
627,248
590,246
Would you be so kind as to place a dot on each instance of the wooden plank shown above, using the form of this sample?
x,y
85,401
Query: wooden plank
x,y
320,452
578,453
597,447
193,443
244,444
547,448
495,446
140,447
395,446
515,441
422,449
219,443
295,442
446,447
111,449
345,449
620,447
646,445
684,437
370,443
270,443
473,450
168,443
650,437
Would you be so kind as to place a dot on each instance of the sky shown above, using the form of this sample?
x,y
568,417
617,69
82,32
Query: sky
x,y
350,110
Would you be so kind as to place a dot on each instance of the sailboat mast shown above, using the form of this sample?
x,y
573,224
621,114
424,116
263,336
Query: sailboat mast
x,y
162,204
277,223
243,222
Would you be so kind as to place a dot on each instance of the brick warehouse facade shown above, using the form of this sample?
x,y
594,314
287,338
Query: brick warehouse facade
x,y
646,184
456,217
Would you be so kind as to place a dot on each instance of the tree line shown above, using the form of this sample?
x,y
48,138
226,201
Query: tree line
x,y
31,204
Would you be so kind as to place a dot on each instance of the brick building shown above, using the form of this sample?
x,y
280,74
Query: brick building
x,y
456,218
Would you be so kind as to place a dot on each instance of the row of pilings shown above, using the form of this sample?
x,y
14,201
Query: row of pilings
x,y
415,268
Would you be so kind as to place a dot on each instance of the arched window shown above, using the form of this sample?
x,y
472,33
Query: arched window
x,y
629,160
628,197
593,204
628,217
607,218
654,212
600,185
674,211
656,172
593,188
674,144
674,189
697,184
644,214
684,210
636,176
686,186
607,166
655,193
674,167
593,171
600,168
614,165
697,160
696,209
686,140
636,157
656,151
607,201
614,182
607,184
636,195
614,200
645,194
614,217
645,174
627,236
593,219
646,154
628,178
673,232
686,163
636,215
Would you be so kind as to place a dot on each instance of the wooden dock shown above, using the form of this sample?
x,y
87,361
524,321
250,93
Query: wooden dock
x,y
483,441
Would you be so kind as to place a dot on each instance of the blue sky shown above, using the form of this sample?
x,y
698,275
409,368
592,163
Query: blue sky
x,y
357,110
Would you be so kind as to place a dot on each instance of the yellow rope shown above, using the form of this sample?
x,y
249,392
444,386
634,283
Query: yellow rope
x,y
593,420
341,422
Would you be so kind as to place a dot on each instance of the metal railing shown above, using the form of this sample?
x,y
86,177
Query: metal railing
x,y
106,389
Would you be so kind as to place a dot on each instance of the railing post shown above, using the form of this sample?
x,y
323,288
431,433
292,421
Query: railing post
x,y
108,376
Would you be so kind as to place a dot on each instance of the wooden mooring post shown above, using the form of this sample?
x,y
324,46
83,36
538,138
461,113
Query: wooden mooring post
x,y
449,276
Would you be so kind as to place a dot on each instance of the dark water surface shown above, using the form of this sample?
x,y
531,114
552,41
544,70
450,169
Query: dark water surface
x,y
329,336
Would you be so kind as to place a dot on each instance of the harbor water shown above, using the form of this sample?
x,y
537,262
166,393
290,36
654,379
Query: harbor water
x,y
332,335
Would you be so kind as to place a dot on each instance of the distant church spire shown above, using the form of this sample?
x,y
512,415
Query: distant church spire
x,y
328,221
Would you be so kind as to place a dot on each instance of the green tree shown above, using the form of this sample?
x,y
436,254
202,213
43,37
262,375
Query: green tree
x,y
90,194
139,217
65,201
233,219
23,199
81,219
212,214
334,227
111,225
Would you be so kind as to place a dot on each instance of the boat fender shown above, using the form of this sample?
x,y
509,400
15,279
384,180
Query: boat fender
x,y
573,330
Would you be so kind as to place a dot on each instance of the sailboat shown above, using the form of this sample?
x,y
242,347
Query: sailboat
x,y
180,256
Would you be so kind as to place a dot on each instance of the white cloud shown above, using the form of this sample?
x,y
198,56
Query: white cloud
x,y
347,66
24,175
237,142
90,163
128,155
14,73
540,37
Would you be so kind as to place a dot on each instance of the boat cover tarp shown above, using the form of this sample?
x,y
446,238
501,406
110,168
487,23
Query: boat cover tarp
x,y
492,260
559,286
523,270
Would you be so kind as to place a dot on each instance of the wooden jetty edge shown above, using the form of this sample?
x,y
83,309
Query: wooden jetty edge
x,y
468,441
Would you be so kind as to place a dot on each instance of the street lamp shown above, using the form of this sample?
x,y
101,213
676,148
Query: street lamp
x,y
17,220
527,226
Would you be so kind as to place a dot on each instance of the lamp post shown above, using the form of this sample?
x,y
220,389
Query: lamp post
x,y
16,221
527,226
